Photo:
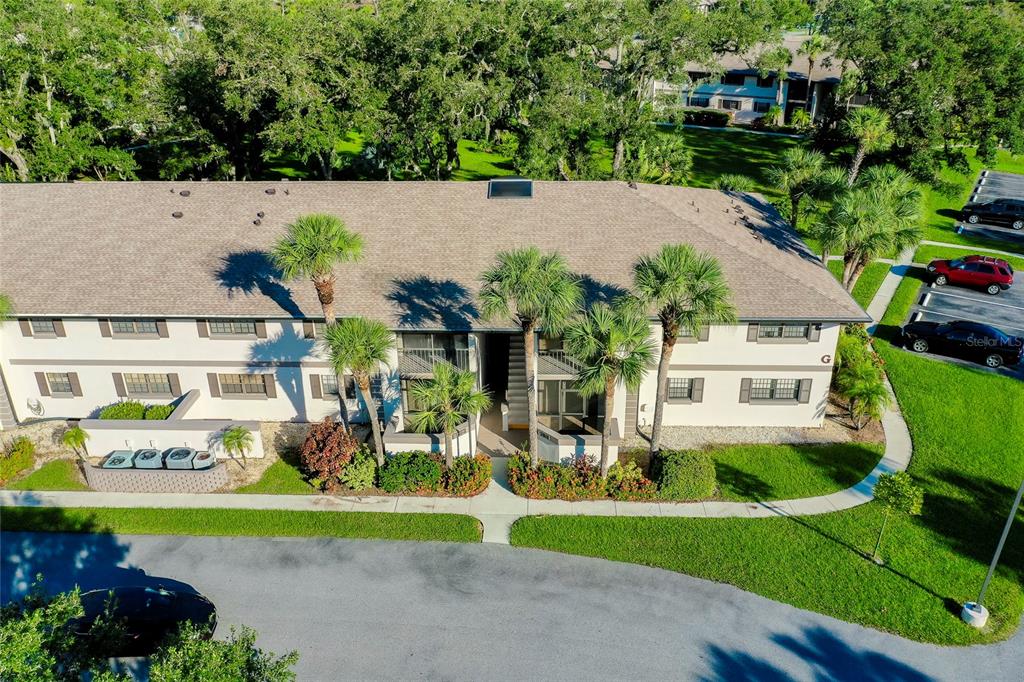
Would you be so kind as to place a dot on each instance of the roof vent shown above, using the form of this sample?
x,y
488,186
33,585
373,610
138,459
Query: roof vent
x,y
270,190
256,222
184,193
509,188
260,214
177,214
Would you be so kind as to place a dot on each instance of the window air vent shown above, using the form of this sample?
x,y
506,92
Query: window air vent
x,y
510,188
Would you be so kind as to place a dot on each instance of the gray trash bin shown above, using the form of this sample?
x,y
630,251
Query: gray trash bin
x,y
179,458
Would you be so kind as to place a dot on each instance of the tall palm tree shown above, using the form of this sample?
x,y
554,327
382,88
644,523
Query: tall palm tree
x,y
870,127
878,217
687,290
315,243
797,177
360,346
777,61
448,399
538,291
813,48
613,345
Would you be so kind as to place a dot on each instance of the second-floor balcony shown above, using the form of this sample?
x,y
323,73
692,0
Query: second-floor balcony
x,y
552,363
421,361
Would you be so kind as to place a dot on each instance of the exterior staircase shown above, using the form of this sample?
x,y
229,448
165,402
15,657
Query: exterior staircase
x,y
7,420
515,396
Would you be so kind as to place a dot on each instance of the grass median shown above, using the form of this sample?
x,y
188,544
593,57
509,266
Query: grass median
x,y
243,522
867,284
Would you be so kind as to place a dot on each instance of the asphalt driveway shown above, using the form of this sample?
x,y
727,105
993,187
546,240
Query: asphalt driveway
x,y
389,610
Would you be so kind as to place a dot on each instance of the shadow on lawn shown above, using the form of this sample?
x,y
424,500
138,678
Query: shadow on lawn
x,y
829,657
743,484
83,554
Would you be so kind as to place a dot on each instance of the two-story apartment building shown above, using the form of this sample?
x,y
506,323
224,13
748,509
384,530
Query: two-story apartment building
x,y
149,290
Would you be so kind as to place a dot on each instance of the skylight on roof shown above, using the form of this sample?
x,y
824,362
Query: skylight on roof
x,y
509,188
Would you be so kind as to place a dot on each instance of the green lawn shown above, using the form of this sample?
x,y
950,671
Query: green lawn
x,y
967,458
717,153
927,253
253,522
868,282
942,211
281,478
780,472
60,474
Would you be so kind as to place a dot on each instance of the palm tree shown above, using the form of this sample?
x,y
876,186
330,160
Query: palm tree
x,y
613,345
777,61
448,399
75,438
538,291
315,243
870,127
734,182
813,48
797,176
361,346
237,440
863,385
687,291
878,217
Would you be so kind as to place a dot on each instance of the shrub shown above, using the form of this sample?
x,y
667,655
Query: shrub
x,y
411,472
126,409
684,475
20,456
328,447
361,472
579,480
159,411
706,117
467,476
627,482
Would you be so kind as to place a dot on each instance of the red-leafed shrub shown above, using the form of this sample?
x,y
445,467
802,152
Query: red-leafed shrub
x,y
580,480
468,476
328,448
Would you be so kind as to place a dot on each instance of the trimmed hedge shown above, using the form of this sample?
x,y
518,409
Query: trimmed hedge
x,y
126,409
706,117
159,411
468,476
411,472
20,456
684,474
580,480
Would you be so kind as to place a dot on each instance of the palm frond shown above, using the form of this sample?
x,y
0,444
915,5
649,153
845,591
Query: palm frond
x,y
357,344
313,245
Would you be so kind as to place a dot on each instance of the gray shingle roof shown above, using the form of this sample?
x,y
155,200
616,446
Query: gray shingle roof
x,y
114,248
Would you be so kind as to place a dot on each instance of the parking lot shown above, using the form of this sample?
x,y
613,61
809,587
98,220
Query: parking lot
x,y
996,185
1004,311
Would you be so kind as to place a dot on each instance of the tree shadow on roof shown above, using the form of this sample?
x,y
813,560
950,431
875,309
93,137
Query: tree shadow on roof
x,y
252,272
600,292
767,225
426,302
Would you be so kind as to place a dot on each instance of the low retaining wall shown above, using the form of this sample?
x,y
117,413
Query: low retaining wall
x,y
562,447
157,480
463,442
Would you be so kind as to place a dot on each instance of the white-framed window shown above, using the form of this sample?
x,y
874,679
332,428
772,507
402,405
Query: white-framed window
x,y
43,327
680,388
147,384
782,330
699,101
242,384
730,104
232,327
133,327
59,383
775,389
329,384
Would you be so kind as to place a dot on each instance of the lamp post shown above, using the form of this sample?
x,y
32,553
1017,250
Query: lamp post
x,y
974,613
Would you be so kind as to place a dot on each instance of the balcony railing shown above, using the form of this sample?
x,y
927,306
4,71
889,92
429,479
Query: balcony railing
x,y
557,363
421,361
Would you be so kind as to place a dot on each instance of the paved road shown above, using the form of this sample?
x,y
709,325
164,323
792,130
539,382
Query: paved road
x,y
389,610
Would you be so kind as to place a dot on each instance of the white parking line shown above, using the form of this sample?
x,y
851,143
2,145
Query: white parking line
x,y
976,300
961,317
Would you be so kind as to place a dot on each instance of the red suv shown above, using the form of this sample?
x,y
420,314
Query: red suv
x,y
991,274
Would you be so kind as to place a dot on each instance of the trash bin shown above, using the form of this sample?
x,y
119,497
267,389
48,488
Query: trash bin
x,y
203,460
179,458
149,458
118,459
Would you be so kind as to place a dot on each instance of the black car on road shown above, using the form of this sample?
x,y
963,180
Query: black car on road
x,y
1008,212
969,340
145,616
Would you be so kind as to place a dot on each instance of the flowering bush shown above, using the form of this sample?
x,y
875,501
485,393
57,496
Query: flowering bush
x,y
580,480
467,476
328,448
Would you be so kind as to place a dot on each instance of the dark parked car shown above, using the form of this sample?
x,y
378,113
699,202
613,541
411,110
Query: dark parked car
x,y
970,340
996,211
147,614
991,274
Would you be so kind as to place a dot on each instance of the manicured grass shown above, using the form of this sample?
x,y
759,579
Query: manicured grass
x,y
868,282
780,472
927,253
60,474
251,522
967,459
941,211
280,478
717,153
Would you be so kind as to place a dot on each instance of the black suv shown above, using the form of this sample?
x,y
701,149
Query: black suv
x,y
1008,212
969,340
